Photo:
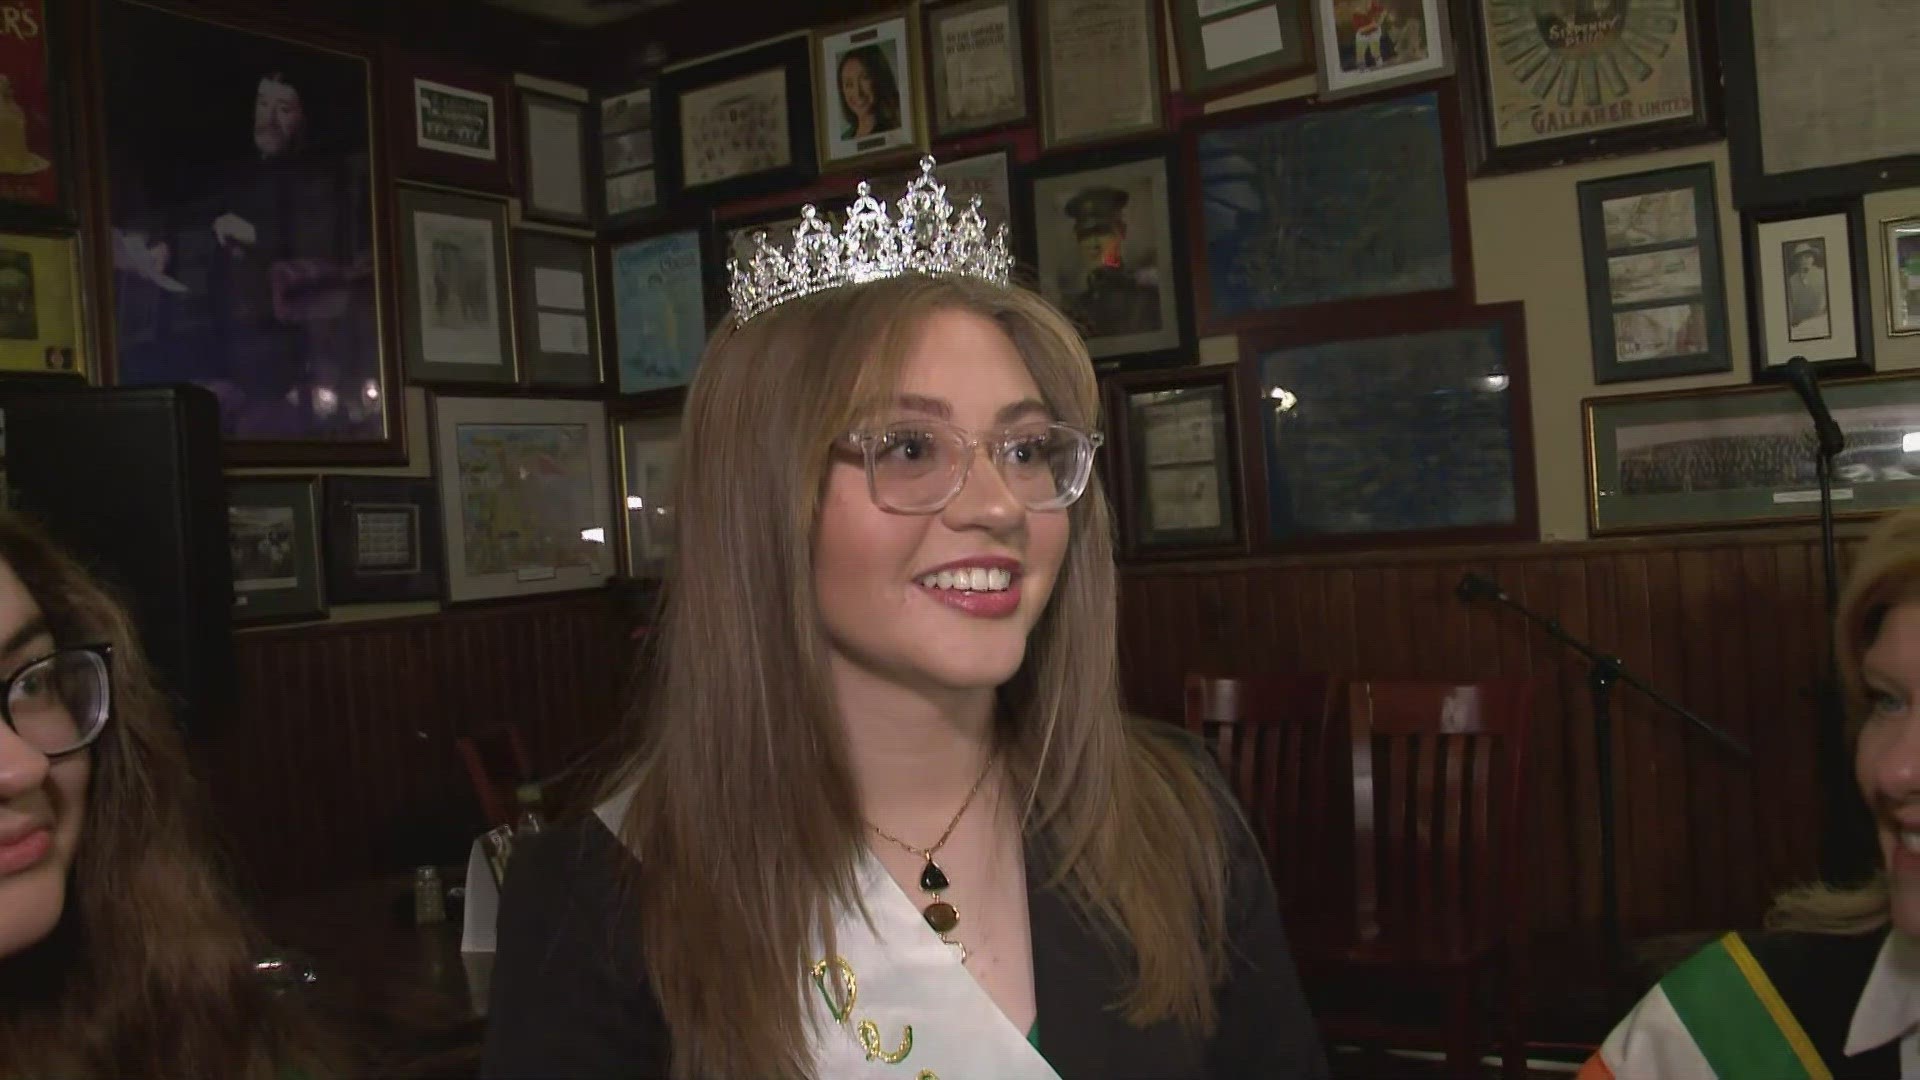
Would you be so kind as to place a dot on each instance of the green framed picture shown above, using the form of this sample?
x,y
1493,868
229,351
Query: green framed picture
x,y
273,535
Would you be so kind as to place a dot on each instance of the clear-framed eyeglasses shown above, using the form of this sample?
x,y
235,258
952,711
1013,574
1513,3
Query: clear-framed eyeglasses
x,y
918,466
59,704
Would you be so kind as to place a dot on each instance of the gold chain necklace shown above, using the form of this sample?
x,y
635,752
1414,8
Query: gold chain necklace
x,y
940,914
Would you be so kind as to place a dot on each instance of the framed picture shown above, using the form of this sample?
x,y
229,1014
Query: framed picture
x,y
867,100
987,175
557,303
1177,437
455,299
1807,289
446,122
1900,239
1656,294
1323,205
273,537
648,447
36,181
660,315
1100,69
1551,83
42,316
1711,458
243,213
1107,250
1226,45
526,495
976,66
630,182
383,541
557,155
741,125
1367,45
1341,416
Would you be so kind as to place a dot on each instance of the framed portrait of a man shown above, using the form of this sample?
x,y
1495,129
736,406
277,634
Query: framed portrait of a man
x,y
868,92
1807,289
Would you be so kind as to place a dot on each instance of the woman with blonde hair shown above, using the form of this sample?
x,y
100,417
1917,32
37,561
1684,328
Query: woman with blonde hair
x,y
1833,989
886,816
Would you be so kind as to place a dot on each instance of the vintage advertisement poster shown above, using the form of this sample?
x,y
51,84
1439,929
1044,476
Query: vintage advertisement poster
x,y
1562,68
29,167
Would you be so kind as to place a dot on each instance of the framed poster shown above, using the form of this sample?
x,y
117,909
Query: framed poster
x,y
740,125
1177,434
1227,45
382,539
35,182
1807,289
42,314
557,304
976,66
526,495
246,238
659,309
1692,459
630,182
1367,45
447,124
1100,70
557,157
648,446
273,537
867,101
455,300
1656,294
1900,240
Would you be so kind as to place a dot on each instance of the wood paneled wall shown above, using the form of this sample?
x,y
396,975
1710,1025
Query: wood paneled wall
x,y
1729,625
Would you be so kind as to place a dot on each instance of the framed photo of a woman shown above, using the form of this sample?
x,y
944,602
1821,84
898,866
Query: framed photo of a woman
x,y
867,93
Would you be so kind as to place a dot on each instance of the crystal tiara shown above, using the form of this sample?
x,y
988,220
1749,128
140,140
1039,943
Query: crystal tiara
x,y
927,238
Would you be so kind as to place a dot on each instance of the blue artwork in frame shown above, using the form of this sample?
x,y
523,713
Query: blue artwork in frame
x,y
660,314
1326,205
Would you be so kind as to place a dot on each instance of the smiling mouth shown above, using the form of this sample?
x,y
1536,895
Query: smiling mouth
x,y
969,579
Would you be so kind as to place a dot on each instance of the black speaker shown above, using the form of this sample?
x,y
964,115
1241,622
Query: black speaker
x,y
129,480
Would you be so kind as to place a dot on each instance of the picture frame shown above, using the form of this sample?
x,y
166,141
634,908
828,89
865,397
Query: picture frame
x,y
648,445
43,324
1101,72
1900,247
1744,455
447,124
382,539
987,172
1229,45
558,159
557,309
867,102
1656,291
205,244
37,179
1340,411
1807,289
629,156
661,308
273,536
456,297
525,494
1176,441
1365,46
739,125
976,65
1542,88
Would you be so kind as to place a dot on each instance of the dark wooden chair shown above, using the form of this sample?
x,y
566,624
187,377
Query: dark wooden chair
x,y
496,761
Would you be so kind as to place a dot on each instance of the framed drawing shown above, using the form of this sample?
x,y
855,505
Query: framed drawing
x,y
1693,459
1807,289
1100,70
1226,45
867,100
274,539
1178,438
648,446
1368,45
557,155
36,183
1656,294
629,181
1551,82
1106,245
247,251
455,300
382,538
1342,414
976,66
660,314
1900,240
740,125
446,124
526,495
556,288
42,315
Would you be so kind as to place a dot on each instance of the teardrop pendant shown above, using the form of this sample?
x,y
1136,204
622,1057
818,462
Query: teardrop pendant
x,y
933,879
941,915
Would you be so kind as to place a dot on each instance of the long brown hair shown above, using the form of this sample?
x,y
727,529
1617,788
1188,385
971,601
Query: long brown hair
x,y
744,807
148,971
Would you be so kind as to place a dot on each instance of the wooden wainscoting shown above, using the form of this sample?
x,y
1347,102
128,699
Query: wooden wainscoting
x,y
1730,625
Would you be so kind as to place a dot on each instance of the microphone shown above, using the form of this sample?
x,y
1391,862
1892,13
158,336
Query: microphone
x,y
1474,587
1800,376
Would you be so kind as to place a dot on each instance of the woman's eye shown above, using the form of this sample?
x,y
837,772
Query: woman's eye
x,y
1884,704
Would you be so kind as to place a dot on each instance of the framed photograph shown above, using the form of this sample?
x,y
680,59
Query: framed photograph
x,y
741,125
1227,45
867,101
36,181
648,448
1807,289
1348,204
1556,81
987,175
1176,434
556,287
1107,250
628,176
273,536
1656,294
1101,73
1368,45
1693,459
383,541
1341,416
976,66
246,233
557,155
526,495
455,299
1900,239
660,314
446,120
42,316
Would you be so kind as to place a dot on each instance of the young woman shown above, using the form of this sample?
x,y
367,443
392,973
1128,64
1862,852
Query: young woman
x,y
120,954
887,816
1832,991
869,93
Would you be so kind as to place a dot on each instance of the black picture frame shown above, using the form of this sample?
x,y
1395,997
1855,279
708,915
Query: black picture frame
x,y
360,509
631,192
49,41
793,57
413,78
1136,476
273,531
934,13
420,366
535,250
1294,58
528,97
1630,229
1771,350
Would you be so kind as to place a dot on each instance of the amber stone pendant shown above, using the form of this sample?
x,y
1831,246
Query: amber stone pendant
x,y
941,915
933,879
